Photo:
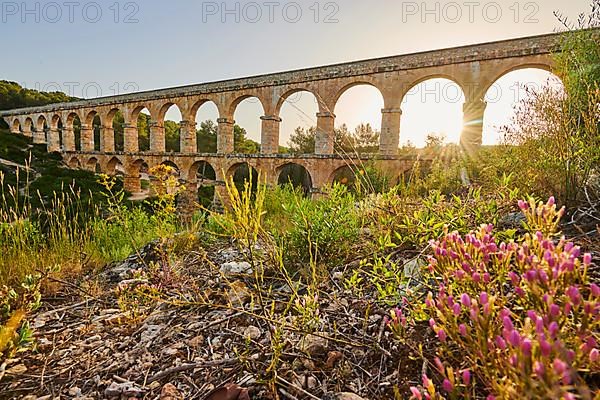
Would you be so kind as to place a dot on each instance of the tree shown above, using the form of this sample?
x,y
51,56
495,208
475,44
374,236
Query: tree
x,y
206,137
172,132
366,140
363,140
242,144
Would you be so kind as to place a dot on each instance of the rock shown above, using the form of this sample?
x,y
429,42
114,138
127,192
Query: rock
x,y
238,294
252,332
338,276
314,345
170,392
512,221
150,333
127,389
412,269
74,392
348,396
196,341
235,268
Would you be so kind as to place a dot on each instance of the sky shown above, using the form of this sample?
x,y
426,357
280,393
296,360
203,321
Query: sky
x,y
99,48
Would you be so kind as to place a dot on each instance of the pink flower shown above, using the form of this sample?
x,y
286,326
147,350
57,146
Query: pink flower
x,y
466,377
441,334
587,259
554,310
526,347
456,309
595,290
551,201
416,393
462,329
514,338
523,205
594,356
559,366
432,322
501,343
538,368
447,385
483,298
465,300
545,348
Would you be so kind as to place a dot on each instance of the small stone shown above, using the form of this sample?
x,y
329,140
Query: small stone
x,y
196,341
238,294
252,332
338,276
170,392
236,268
348,396
75,391
314,345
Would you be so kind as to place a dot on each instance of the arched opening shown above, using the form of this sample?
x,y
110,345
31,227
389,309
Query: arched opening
x,y
206,117
506,94
248,126
41,129
58,125
243,173
115,167
358,119
116,121
74,123
298,110
439,97
172,127
16,126
143,125
296,176
28,127
74,163
346,176
97,128
93,165
205,179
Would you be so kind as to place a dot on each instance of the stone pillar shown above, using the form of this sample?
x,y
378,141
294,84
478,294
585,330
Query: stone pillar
x,y
390,131
187,201
107,139
27,132
130,133
68,139
132,183
157,137
225,136
471,136
53,140
87,138
269,137
39,136
325,133
187,137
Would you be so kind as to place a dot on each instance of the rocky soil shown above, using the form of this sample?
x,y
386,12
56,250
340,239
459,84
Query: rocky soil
x,y
206,331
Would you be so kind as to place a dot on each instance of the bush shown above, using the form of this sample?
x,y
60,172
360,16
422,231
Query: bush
x,y
513,320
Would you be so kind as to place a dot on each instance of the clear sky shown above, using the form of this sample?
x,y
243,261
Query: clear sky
x,y
97,48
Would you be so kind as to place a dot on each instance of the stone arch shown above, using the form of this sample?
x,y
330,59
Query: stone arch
x,y
251,124
236,102
344,88
40,122
505,71
502,98
242,172
115,167
345,175
202,171
199,115
290,92
193,111
92,164
295,174
163,125
424,78
55,121
74,163
16,125
28,125
447,100
203,175
113,130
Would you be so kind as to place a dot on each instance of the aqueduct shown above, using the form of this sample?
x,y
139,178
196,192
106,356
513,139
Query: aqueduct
x,y
474,68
